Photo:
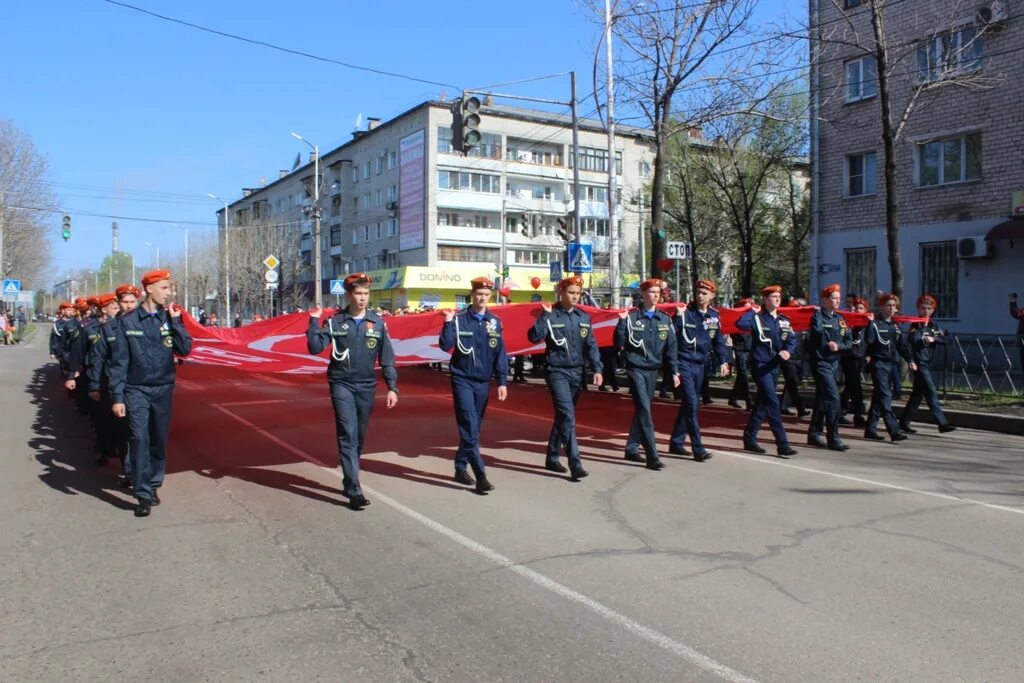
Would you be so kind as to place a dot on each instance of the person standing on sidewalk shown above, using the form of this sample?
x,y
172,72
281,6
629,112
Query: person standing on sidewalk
x,y
923,338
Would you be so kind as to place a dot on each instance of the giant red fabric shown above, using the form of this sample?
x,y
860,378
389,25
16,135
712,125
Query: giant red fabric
x,y
279,344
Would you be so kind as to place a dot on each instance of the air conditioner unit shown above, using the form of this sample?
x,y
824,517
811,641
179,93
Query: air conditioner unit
x,y
992,16
973,247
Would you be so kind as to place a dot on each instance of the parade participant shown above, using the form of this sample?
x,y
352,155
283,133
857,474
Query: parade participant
x,y
127,300
883,345
852,361
828,338
141,372
741,362
474,337
699,332
358,340
569,341
649,341
792,374
772,342
96,381
71,354
922,338
64,314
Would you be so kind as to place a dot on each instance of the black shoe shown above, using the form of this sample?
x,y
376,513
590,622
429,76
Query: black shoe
x,y
908,429
706,401
482,485
874,436
578,473
462,477
846,422
899,436
555,467
615,388
634,457
603,388
125,483
734,403
946,429
859,421
817,442
102,459
701,456
655,465
785,452
754,448
803,412
840,446
750,406
786,411
677,450
142,508
156,498
358,502
664,394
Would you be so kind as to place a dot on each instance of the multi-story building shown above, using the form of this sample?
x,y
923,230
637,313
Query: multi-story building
x,y
959,70
398,203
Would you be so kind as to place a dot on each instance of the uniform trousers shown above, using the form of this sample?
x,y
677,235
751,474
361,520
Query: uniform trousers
x,y
564,385
853,385
924,388
353,405
149,421
470,404
642,386
691,376
741,387
881,398
766,405
826,401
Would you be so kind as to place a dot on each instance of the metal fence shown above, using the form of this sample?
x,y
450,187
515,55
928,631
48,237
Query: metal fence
x,y
980,364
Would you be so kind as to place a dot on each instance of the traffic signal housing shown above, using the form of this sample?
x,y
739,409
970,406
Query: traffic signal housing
x,y
466,124
65,230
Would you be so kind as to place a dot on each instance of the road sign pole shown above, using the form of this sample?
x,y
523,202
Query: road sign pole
x,y
679,292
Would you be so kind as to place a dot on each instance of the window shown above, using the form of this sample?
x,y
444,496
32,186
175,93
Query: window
x,y
949,161
644,169
380,198
366,170
592,159
950,54
860,272
536,257
593,193
380,230
393,193
355,173
378,165
940,277
489,147
467,254
466,220
355,236
366,201
392,160
366,233
335,267
461,301
861,78
850,4
335,235
392,227
444,140
541,192
474,182
861,173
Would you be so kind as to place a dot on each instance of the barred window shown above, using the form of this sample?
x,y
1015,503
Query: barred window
x,y
860,272
940,277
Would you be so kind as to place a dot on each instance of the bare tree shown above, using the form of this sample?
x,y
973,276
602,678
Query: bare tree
x,y
26,207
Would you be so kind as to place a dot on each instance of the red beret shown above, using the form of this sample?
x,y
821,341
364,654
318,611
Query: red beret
x,y
746,301
81,304
93,300
927,299
66,304
651,282
127,289
771,289
885,298
708,285
829,291
105,299
861,301
570,281
356,280
155,276
481,283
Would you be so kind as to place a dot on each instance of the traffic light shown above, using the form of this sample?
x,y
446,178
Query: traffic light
x,y
465,124
566,226
65,230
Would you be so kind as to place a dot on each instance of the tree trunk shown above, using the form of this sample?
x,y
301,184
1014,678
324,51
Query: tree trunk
x,y
658,193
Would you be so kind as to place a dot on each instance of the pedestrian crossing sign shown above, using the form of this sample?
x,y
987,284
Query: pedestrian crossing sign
x,y
337,287
581,258
12,286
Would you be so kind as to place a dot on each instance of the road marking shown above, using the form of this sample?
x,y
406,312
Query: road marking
x,y
634,627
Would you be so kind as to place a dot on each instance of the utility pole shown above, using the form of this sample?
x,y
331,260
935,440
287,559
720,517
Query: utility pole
x,y
574,105
614,275
3,271
318,298
227,251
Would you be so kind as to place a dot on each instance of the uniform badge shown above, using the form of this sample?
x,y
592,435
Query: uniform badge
x,y
584,331
493,343
371,343
345,327
842,325
663,335
168,342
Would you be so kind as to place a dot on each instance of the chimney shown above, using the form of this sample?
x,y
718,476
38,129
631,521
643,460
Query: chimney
x,y
312,157
695,133
372,122
114,229
246,192
281,174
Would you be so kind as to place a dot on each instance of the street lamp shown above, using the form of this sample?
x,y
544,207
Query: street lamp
x,y
227,248
317,266
151,245
187,308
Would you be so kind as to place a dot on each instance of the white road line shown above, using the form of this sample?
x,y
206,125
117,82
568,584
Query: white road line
x,y
634,627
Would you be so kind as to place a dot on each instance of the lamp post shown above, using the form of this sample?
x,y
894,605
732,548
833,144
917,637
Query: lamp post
x,y
227,261
157,246
187,308
317,265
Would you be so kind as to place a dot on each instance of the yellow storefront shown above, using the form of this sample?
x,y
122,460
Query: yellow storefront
x,y
440,287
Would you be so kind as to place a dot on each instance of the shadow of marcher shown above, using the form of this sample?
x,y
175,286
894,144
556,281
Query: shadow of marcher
x,y
62,443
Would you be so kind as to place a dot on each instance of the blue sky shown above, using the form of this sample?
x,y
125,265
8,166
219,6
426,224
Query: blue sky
x,y
118,100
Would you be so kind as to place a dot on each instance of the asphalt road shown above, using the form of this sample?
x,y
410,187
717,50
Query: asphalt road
x,y
887,563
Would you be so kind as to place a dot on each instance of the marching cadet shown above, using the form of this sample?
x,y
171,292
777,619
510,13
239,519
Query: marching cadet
x,y
569,340
74,336
699,331
64,314
474,337
358,340
922,338
852,361
772,342
79,356
741,361
792,374
141,372
95,376
829,337
127,301
649,340
884,346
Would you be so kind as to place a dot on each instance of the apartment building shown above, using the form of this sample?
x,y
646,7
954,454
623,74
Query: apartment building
x,y
398,203
959,68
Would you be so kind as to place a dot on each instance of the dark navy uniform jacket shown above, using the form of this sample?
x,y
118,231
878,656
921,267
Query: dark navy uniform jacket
x,y
60,326
99,355
81,345
920,352
356,348
768,335
698,334
827,326
142,353
569,338
884,341
479,349
649,340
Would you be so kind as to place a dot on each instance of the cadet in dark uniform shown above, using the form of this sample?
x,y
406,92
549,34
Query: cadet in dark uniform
x,y
141,372
699,331
852,361
64,313
772,342
884,346
358,340
828,338
922,338
569,339
126,299
649,341
792,374
94,377
475,339
741,363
